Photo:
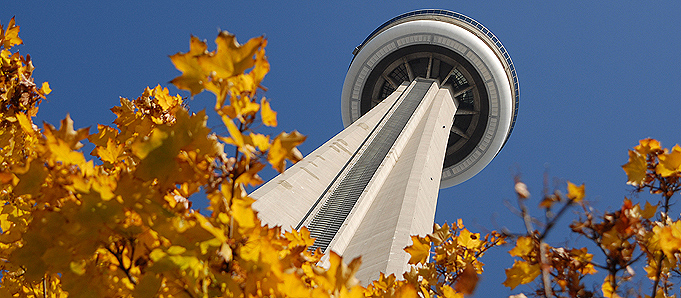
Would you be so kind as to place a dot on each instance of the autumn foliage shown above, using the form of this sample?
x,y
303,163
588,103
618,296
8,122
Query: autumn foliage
x,y
120,224
636,234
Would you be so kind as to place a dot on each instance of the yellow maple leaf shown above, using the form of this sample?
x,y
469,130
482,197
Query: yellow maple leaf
x,y
635,168
142,147
45,89
61,152
164,99
448,292
237,138
339,274
670,163
261,67
284,147
575,193
242,212
440,234
193,76
260,141
293,286
524,245
269,117
111,152
521,273
607,288
468,239
670,238
230,58
66,133
10,37
244,107
206,225
646,146
25,123
299,238
104,185
9,213
419,250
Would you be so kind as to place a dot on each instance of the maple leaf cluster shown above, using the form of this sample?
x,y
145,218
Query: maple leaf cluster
x,y
634,233
455,267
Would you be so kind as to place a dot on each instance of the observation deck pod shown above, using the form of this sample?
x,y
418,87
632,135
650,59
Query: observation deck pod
x,y
463,56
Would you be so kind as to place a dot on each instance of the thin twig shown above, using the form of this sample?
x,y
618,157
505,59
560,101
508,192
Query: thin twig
x,y
554,220
663,217
546,280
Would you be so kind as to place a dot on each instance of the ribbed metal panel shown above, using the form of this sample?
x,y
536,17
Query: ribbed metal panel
x,y
331,215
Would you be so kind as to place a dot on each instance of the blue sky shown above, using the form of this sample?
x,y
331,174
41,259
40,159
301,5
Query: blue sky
x,y
595,77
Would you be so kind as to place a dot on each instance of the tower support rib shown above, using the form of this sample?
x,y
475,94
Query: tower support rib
x,y
365,191
385,191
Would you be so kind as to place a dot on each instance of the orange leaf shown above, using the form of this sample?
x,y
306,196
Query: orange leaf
x,y
406,291
260,141
66,133
62,153
467,281
649,211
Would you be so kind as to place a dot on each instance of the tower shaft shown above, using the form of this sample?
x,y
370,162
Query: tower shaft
x,y
370,187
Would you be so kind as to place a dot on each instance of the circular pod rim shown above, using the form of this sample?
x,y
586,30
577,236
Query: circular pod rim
x,y
463,55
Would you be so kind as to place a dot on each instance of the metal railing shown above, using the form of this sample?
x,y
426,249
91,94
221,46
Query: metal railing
x,y
335,210
475,24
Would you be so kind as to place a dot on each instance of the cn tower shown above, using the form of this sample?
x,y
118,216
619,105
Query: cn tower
x,y
430,98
